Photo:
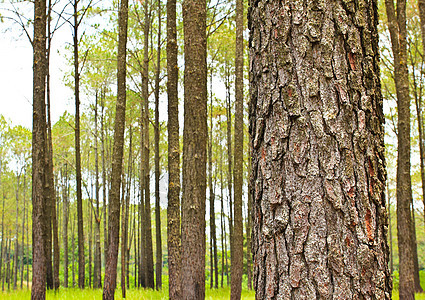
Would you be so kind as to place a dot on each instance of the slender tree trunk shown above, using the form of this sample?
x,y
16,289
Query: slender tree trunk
x,y
80,224
104,182
90,214
397,28
73,248
222,224
390,231
418,288
158,269
318,165
149,272
195,135
173,208
16,253
65,218
23,259
38,289
211,192
249,228
8,264
229,160
114,195
97,272
237,254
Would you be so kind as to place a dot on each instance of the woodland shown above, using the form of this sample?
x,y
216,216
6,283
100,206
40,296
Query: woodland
x,y
217,149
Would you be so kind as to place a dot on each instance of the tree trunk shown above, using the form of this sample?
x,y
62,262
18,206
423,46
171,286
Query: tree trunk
x,y
318,171
23,232
80,225
97,272
73,249
104,182
114,192
397,28
418,288
249,228
173,208
65,212
149,272
38,289
16,253
195,136
237,253
158,269
222,224
229,157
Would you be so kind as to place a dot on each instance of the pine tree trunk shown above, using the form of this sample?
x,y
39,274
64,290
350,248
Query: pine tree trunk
x,y
16,253
195,136
173,208
222,224
318,166
104,182
249,228
229,159
397,28
65,218
114,192
237,254
97,272
80,224
158,269
38,289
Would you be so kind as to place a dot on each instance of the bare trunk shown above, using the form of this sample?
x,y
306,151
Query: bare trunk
x,y
65,218
195,135
114,192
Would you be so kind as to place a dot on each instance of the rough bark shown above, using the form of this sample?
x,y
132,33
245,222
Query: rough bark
x,y
38,288
397,28
195,136
173,208
158,268
117,157
237,253
318,168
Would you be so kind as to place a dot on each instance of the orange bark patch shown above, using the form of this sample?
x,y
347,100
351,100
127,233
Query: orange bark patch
x,y
351,192
290,92
368,219
352,59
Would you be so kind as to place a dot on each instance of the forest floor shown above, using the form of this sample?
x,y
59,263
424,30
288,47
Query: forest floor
x,y
91,294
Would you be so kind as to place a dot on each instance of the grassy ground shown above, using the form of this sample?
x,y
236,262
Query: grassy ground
x,y
89,294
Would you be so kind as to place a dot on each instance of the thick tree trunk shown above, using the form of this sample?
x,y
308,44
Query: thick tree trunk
x,y
397,28
237,253
38,289
80,224
195,136
158,269
114,192
173,208
318,168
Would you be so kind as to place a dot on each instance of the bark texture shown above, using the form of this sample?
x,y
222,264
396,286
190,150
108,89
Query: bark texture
x,y
38,288
195,134
114,192
318,169
173,208
397,28
237,252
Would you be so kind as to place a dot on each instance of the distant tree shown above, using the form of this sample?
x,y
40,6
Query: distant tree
x,y
318,166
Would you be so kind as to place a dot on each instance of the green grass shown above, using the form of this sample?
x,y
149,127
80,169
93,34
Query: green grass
x,y
90,294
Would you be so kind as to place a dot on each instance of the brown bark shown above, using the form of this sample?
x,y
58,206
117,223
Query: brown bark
x,y
38,289
318,166
418,288
173,208
104,182
16,253
80,224
237,253
397,28
158,268
249,229
117,157
195,136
